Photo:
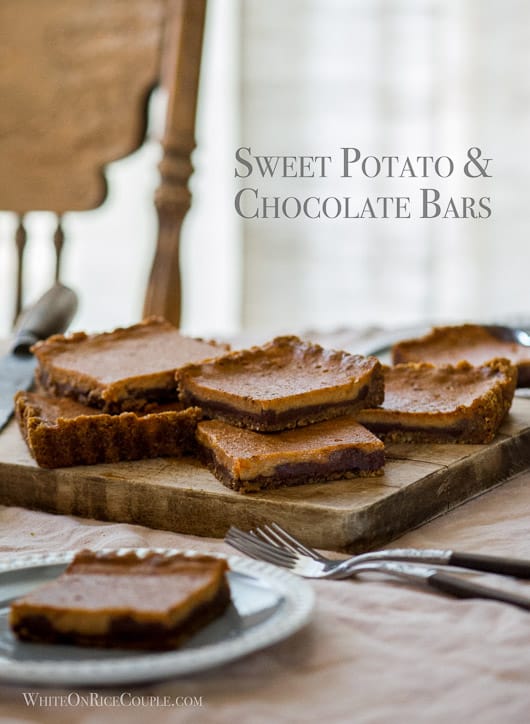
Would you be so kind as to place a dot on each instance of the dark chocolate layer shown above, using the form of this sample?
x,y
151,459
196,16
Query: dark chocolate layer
x,y
458,428
273,421
523,375
137,400
340,464
462,431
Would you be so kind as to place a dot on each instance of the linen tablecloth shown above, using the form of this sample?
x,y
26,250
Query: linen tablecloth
x,y
375,651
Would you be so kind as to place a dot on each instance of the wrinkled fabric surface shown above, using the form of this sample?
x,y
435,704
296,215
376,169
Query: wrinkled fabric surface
x,y
375,652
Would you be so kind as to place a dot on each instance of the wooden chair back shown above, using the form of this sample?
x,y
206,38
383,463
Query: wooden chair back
x,y
75,76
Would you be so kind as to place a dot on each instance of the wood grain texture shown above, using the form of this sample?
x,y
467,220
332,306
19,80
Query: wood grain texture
x,y
75,78
181,495
181,77
21,238
74,81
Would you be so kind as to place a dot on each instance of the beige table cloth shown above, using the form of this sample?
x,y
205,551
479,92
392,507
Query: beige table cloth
x,y
375,651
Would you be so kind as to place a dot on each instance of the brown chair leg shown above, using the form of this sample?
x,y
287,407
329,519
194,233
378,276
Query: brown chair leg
x,y
21,237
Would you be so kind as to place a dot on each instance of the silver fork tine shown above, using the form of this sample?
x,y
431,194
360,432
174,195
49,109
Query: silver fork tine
x,y
285,542
278,555
258,555
252,539
298,545
280,537
254,544
272,537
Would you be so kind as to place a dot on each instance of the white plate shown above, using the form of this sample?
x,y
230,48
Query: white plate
x,y
268,604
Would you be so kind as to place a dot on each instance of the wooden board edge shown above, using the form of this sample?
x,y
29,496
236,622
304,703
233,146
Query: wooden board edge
x,y
190,511
436,494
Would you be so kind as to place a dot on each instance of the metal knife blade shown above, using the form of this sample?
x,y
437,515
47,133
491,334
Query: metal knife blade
x,y
51,314
16,373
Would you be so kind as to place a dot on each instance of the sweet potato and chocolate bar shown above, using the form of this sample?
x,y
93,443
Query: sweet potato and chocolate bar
x,y
249,461
126,369
283,384
60,432
470,342
124,601
460,403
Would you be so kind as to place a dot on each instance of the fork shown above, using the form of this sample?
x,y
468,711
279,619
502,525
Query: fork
x,y
309,567
275,535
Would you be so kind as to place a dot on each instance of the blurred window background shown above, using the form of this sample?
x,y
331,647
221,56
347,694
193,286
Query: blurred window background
x,y
399,77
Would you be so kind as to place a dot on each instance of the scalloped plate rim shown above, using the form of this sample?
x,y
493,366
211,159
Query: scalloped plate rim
x,y
298,596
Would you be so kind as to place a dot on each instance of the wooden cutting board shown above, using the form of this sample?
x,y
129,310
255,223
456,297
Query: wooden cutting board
x,y
420,482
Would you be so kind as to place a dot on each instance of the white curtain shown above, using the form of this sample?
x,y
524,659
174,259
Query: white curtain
x,y
401,77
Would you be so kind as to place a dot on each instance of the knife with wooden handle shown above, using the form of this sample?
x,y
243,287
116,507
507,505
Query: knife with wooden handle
x,y
51,314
